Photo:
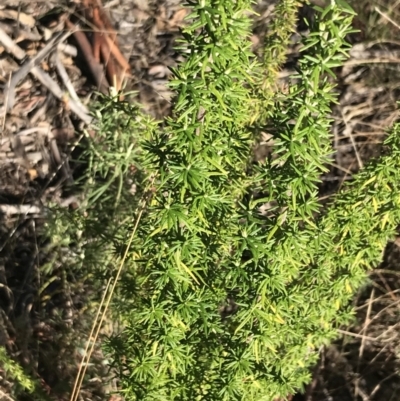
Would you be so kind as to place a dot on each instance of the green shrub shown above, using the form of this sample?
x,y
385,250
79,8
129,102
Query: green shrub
x,y
14,371
235,274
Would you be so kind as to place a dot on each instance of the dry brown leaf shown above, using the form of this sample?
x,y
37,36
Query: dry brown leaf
x,y
45,66
142,4
255,40
177,20
161,19
33,174
159,71
31,52
140,15
47,34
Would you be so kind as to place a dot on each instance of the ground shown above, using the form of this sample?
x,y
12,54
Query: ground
x,y
45,307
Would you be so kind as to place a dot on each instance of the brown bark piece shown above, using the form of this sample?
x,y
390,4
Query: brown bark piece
x,y
110,37
87,52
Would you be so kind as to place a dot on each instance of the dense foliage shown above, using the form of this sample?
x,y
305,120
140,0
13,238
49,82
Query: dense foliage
x,y
235,274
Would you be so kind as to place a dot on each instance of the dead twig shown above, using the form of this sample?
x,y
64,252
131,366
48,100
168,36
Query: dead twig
x,y
385,60
62,164
387,287
105,40
94,66
10,46
364,330
378,386
394,23
67,82
29,65
41,76
107,23
54,88
112,75
29,131
20,209
355,335
348,132
5,105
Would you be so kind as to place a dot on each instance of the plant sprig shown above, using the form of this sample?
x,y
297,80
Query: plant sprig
x,y
236,275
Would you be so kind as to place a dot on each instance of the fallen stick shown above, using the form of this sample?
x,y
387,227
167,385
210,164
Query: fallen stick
x,y
53,87
28,66
100,20
67,82
119,56
40,75
107,23
28,131
94,66
20,209
96,44
10,46
110,65
59,162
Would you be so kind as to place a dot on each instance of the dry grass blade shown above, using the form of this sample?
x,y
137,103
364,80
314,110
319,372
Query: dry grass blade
x,y
97,324
387,287
378,386
385,60
67,82
366,323
355,335
86,355
57,158
394,23
6,105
